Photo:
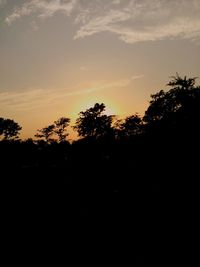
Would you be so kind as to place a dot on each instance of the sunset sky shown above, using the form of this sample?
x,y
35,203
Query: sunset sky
x,y
59,57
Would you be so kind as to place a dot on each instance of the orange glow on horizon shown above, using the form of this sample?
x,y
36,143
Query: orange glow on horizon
x,y
84,104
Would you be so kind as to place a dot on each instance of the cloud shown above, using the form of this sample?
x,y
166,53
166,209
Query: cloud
x,y
22,100
143,20
103,23
116,2
31,99
2,2
83,68
130,20
103,86
135,77
42,8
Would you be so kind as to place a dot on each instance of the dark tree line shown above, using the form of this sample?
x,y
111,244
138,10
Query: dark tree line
x,y
140,174
170,110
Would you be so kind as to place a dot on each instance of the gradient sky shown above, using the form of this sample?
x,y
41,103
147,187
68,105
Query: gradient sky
x,y
59,57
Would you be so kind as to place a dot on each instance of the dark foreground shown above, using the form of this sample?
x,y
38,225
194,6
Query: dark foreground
x,y
125,194
130,203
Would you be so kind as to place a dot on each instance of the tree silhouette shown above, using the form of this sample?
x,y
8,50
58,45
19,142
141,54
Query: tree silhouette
x,y
93,123
142,175
9,129
61,127
185,83
131,126
175,108
46,133
58,128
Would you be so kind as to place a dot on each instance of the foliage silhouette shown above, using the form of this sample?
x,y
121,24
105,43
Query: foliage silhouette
x,y
143,183
93,122
59,128
176,109
9,129
46,133
131,126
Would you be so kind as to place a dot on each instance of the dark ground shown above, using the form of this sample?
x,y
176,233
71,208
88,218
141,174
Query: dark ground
x,y
127,203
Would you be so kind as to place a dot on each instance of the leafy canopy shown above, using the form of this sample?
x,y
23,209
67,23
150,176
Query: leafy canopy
x,y
9,129
93,122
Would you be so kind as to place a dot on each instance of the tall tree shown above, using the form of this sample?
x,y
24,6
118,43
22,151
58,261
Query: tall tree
x,y
61,128
58,128
178,107
93,122
46,133
9,129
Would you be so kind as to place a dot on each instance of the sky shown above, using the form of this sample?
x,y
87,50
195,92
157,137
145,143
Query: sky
x,y
60,57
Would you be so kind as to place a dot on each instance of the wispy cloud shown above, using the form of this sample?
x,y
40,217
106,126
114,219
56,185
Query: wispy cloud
x,y
22,100
42,9
2,2
102,86
130,20
103,23
35,98
83,68
143,20
135,77
116,2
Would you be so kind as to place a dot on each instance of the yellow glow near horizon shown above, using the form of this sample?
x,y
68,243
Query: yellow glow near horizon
x,y
64,64
84,104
